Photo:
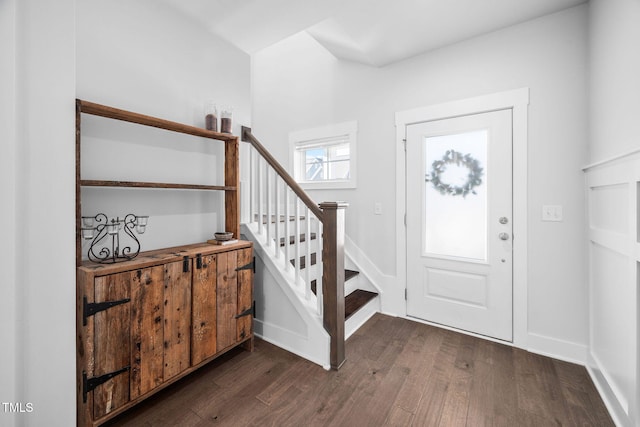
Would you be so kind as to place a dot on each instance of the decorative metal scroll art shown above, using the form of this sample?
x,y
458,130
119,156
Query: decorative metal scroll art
x,y
452,157
104,234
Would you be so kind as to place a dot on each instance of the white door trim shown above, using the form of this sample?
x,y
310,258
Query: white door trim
x,y
518,101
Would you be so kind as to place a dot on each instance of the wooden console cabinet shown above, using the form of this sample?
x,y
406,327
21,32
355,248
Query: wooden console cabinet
x,y
145,323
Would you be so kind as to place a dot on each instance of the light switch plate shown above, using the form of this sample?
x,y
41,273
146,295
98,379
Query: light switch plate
x,y
552,213
377,208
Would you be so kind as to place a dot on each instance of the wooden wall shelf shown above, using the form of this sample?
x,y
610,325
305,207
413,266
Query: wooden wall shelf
x,y
135,184
141,119
231,185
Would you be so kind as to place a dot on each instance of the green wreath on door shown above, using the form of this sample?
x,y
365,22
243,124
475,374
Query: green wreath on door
x,y
452,157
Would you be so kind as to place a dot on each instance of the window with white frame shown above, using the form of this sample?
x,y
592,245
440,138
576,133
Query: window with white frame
x,y
324,157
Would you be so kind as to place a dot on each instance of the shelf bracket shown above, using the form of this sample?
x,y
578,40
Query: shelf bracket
x,y
91,308
89,384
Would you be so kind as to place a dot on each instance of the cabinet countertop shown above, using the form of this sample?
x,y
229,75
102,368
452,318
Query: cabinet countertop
x,y
161,256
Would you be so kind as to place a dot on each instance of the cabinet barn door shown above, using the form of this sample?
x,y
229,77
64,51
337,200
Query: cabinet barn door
x,y
203,323
112,346
245,294
147,329
177,319
227,298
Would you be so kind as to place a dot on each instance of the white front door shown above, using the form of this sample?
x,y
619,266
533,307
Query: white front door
x,y
459,223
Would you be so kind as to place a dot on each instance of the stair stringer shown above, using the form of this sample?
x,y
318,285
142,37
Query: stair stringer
x,y
284,317
355,259
391,296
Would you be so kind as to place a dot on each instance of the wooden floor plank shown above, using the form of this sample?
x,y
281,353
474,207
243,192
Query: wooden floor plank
x,y
398,373
437,382
580,394
411,392
399,417
456,405
539,391
386,378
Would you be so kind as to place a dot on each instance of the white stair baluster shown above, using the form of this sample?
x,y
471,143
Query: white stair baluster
x,y
268,207
319,265
297,246
278,228
307,256
287,227
260,195
252,184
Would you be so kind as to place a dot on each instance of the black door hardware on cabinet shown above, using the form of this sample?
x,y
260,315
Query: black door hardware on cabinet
x,y
247,312
88,384
91,308
250,266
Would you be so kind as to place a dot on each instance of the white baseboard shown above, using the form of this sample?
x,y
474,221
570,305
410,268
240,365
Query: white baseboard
x,y
558,349
616,409
292,342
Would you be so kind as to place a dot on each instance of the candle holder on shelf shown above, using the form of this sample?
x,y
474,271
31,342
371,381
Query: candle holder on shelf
x,y
226,116
211,116
100,227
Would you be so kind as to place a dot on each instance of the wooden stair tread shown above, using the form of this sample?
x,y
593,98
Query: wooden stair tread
x,y
356,300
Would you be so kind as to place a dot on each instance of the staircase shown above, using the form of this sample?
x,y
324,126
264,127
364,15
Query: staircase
x,y
301,304
354,301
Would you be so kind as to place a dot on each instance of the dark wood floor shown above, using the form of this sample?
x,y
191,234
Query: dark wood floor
x,y
398,373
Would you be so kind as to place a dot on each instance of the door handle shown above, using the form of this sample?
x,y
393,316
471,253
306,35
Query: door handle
x,y
503,236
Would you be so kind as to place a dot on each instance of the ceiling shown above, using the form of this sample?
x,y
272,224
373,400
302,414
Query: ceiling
x,y
372,32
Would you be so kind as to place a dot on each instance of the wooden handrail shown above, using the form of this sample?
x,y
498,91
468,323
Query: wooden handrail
x,y
247,136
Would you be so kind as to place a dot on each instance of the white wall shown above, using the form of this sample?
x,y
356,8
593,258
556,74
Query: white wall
x,y
8,284
38,205
136,56
612,189
614,86
547,55
145,57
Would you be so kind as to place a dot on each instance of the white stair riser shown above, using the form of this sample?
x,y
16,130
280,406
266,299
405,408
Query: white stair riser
x,y
358,318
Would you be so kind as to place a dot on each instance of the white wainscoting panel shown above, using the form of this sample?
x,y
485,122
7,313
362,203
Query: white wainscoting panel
x,y
601,201
612,194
